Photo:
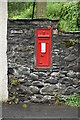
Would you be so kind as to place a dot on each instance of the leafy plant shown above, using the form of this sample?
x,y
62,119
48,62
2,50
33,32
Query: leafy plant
x,y
19,10
67,12
71,100
78,19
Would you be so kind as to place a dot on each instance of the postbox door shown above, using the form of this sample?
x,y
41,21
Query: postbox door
x,y
43,48
43,53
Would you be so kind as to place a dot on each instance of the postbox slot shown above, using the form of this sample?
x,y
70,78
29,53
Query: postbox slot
x,y
43,47
43,36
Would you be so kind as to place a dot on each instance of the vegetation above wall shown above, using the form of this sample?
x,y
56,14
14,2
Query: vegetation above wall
x,y
67,12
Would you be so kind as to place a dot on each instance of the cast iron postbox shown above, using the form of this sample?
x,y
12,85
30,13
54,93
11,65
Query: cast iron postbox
x,y
43,47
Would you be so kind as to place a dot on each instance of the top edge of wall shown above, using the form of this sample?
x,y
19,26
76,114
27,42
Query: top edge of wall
x,y
38,19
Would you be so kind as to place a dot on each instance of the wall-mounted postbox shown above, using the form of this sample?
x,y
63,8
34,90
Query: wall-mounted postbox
x,y
43,48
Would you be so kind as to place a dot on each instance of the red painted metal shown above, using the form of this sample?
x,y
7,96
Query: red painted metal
x,y
43,48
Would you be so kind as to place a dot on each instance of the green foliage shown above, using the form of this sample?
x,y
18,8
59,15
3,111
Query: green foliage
x,y
19,10
69,16
53,10
67,12
78,20
27,13
71,100
14,81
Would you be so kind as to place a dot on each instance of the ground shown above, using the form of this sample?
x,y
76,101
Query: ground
x,y
40,112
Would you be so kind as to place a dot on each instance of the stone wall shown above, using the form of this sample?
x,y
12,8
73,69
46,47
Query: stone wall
x,y
26,84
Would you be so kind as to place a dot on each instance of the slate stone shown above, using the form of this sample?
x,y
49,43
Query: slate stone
x,y
38,83
66,79
26,101
46,99
70,58
52,80
25,89
36,98
22,81
48,90
34,89
75,81
78,90
69,90
26,72
64,72
39,96
71,74
27,82
78,58
54,74
42,74
34,76
78,75
76,68
10,71
61,75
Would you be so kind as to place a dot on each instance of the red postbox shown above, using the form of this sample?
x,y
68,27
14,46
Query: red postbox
x,y
43,47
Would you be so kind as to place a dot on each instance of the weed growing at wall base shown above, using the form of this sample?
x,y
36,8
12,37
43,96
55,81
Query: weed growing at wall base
x,y
71,100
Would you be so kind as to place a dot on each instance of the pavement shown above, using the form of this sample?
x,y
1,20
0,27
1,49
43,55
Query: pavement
x,y
39,112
